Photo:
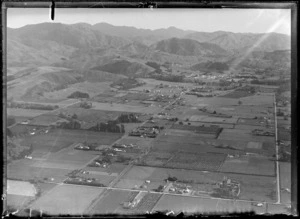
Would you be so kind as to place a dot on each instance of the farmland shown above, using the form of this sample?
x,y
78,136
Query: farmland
x,y
70,199
175,121
28,113
249,165
112,202
60,138
20,188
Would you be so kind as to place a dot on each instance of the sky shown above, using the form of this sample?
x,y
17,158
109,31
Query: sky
x,y
207,20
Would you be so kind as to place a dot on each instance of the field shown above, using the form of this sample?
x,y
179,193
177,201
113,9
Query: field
x,y
243,135
29,113
201,161
112,202
260,188
258,100
90,115
187,134
113,170
124,108
249,165
147,203
69,199
44,120
185,204
60,138
285,181
237,94
68,159
212,119
192,205
17,201
252,122
20,188
25,170
91,88
197,144
257,188
284,135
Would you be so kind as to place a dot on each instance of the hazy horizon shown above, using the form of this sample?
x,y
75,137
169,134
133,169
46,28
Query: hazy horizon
x,y
249,20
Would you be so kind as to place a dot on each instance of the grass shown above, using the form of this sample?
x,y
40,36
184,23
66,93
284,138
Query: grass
x,y
69,199
203,161
28,113
112,202
124,108
60,138
20,188
249,165
237,94
17,201
186,204
23,170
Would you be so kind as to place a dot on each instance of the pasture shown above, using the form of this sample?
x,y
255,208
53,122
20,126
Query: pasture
x,y
285,181
111,202
44,120
243,135
28,170
189,205
18,201
197,144
200,161
69,199
28,113
92,88
21,188
249,165
58,139
125,108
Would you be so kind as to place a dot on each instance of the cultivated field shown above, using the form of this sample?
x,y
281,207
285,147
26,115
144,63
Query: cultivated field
x,y
249,165
17,201
68,159
28,170
201,161
44,120
69,199
186,204
112,202
20,188
243,135
285,182
28,113
60,138
124,108
91,88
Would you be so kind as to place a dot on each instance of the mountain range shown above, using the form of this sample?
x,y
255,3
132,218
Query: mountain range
x,y
104,49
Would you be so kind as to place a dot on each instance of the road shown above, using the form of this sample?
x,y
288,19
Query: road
x,y
277,155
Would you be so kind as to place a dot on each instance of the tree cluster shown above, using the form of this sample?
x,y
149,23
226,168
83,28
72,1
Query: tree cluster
x,y
110,126
31,106
78,94
127,118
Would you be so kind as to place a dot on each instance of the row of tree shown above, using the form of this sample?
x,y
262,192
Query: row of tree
x,y
110,126
31,106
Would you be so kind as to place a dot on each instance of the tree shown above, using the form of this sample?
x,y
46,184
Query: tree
x,y
74,116
240,102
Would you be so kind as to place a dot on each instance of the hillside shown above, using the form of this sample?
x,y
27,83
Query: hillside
x,y
210,66
125,67
188,47
56,55
241,41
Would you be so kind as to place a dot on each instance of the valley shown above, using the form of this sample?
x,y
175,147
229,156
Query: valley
x,y
118,120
